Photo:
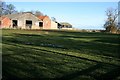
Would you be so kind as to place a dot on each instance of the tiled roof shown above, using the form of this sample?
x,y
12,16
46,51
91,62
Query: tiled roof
x,y
41,17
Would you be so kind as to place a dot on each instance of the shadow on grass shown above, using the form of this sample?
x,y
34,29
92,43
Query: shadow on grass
x,y
36,69
26,66
78,73
89,47
59,53
46,64
111,75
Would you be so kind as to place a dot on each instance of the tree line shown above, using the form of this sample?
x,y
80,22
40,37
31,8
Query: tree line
x,y
6,9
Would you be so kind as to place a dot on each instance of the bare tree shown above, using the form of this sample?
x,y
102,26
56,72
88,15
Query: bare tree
x,y
111,22
53,19
119,15
2,8
38,13
6,9
10,9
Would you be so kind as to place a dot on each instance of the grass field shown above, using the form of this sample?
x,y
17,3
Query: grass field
x,y
60,55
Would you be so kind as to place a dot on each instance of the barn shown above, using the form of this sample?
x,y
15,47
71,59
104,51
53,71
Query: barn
x,y
66,26
24,20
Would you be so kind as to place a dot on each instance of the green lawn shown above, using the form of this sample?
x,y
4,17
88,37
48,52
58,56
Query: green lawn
x,y
62,55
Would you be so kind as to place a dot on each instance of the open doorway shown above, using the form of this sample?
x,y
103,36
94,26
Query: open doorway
x,y
15,23
29,24
40,24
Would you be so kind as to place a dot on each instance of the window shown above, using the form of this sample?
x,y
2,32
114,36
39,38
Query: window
x,y
40,24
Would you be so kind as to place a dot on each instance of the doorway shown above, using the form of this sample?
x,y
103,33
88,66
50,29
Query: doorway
x,y
29,24
40,24
15,23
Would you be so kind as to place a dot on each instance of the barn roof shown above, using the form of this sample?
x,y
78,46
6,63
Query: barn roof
x,y
12,16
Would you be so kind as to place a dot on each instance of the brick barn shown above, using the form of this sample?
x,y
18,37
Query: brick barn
x,y
48,23
24,20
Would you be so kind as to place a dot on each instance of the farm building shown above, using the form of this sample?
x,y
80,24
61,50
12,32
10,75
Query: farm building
x,y
22,21
48,23
65,25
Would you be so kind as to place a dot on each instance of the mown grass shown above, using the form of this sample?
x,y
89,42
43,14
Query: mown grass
x,y
60,55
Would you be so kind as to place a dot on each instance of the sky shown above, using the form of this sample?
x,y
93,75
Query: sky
x,y
119,12
82,15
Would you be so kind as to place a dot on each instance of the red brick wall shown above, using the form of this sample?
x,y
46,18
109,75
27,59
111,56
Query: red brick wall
x,y
46,23
5,23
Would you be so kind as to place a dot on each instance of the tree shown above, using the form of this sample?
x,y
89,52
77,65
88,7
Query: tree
x,y
53,19
38,13
10,9
6,9
2,8
111,22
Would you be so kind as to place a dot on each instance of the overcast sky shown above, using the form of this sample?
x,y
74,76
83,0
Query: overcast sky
x,y
82,15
